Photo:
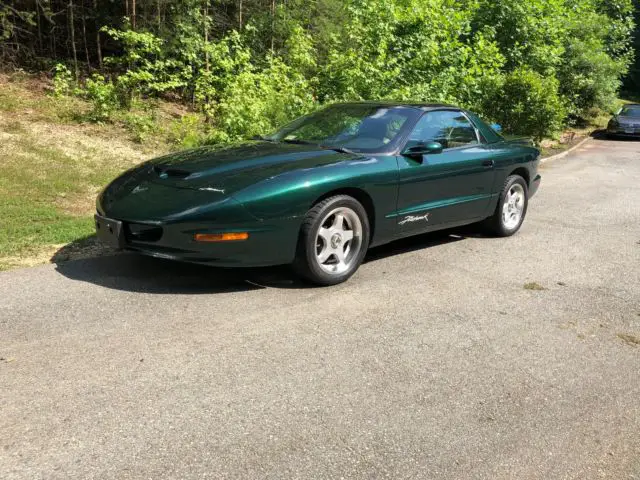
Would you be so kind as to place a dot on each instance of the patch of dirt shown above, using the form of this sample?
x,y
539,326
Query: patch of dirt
x,y
567,140
84,248
31,258
79,205
90,149
78,250
82,141
629,339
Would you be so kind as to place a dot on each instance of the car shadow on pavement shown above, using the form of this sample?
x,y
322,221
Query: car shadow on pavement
x,y
419,242
131,272
603,135
84,260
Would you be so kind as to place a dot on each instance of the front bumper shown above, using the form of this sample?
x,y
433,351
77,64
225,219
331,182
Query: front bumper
x,y
535,185
271,243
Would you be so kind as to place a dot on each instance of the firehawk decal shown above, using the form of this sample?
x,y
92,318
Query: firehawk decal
x,y
411,219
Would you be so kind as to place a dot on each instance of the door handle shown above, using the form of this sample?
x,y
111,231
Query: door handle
x,y
488,163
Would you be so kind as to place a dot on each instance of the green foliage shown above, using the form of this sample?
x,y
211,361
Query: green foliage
x,y
526,103
249,66
144,66
530,33
589,77
64,84
187,131
256,102
141,125
103,96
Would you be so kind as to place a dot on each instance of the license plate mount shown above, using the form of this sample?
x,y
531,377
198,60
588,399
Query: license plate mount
x,y
110,232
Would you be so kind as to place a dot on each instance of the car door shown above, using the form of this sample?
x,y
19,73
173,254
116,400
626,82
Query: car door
x,y
449,187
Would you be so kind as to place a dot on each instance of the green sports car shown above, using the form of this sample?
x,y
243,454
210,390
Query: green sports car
x,y
322,190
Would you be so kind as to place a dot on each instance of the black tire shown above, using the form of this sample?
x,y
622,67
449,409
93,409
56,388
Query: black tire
x,y
307,264
495,224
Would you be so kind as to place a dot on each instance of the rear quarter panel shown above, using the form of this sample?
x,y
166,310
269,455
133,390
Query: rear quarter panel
x,y
517,156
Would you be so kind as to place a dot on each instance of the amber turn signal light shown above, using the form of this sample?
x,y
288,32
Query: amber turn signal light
x,y
221,237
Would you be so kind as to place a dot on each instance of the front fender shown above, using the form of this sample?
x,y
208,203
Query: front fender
x,y
290,195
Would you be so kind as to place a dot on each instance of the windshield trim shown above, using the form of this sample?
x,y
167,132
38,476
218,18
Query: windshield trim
x,y
392,148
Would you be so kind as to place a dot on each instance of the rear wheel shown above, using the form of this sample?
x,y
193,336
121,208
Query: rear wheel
x,y
511,209
333,241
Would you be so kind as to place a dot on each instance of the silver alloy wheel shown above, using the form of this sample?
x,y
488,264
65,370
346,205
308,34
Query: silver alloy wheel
x,y
339,240
513,206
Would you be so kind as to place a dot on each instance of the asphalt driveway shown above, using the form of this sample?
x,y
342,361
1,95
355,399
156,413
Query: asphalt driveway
x,y
434,361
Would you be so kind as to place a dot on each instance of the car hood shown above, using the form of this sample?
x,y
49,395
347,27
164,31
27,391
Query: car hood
x,y
228,170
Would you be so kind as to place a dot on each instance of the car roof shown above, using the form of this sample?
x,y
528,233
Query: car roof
x,y
418,105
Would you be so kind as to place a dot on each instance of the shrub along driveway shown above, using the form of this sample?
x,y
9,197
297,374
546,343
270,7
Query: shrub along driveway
x,y
438,360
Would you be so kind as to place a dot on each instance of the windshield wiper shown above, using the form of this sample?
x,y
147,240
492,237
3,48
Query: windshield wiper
x,y
264,139
295,141
338,149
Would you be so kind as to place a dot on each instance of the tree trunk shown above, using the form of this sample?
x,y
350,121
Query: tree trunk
x,y
84,36
133,14
206,33
73,39
39,27
273,24
98,42
240,15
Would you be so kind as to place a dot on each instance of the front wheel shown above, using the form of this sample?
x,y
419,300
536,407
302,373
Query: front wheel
x,y
511,209
333,241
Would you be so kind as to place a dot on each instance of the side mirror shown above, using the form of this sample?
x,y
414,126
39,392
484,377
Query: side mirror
x,y
497,127
417,151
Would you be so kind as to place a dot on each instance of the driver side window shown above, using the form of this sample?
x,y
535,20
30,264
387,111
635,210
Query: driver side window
x,y
449,128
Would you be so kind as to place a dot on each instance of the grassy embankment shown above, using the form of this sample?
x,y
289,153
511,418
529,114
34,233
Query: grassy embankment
x,y
51,168
52,165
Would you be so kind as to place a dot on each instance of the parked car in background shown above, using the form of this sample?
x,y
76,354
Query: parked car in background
x,y
322,190
626,122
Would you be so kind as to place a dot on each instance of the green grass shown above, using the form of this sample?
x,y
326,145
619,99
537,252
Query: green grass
x,y
35,183
51,169
26,226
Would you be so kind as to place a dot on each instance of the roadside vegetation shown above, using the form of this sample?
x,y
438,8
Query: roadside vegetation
x,y
535,66
93,87
51,169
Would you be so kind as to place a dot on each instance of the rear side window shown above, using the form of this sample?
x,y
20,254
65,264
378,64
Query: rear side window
x,y
630,112
488,133
450,128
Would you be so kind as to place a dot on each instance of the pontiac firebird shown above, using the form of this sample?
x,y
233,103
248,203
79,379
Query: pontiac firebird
x,y
323,189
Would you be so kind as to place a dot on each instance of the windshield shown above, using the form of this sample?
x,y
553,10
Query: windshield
x,y
357,127
630,112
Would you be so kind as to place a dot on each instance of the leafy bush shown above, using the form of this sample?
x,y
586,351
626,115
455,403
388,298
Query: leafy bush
x,y
64,83
102,94
589,77
532,64
257,103
140,125
526,103
188,131
146,70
